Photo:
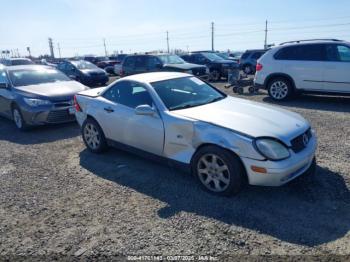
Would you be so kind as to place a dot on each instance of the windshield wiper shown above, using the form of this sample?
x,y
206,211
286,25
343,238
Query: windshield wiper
x,y
184,106
215,99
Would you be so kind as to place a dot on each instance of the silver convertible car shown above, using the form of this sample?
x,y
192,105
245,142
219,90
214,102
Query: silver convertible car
x,y
225,142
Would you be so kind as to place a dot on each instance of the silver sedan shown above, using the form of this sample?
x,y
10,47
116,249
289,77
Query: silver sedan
x,y
225,142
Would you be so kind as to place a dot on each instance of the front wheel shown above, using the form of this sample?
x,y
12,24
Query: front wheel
x,y
218,171
93,136
215,75
18,119
280,89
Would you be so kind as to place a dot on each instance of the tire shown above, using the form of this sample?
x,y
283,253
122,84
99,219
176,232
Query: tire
x,y
248,70
228,182
215,75
18,119
280,89
93,136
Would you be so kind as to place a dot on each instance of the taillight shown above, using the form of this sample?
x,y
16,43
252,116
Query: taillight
x,y
259,67
76,105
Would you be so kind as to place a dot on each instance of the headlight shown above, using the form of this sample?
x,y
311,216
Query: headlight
x,y
36,102
188,72
271,149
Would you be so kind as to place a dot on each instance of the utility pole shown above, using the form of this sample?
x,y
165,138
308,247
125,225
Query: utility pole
x,y
212,36
265,45
51,48
59,49
167,41
28,49
104,44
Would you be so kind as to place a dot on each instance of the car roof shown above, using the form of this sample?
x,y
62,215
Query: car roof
x,y
155,77
23,67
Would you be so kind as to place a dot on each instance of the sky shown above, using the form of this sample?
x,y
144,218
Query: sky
x,y
79,26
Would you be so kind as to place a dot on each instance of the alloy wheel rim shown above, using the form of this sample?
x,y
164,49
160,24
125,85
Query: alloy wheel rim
x,y
213,172
92,136
215,75
17,118
279,90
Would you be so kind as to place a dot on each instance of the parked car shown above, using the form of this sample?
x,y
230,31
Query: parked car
x,y
178,118
249,59
136,64
118,66
36,95
320,66
84,72
16,61
218,67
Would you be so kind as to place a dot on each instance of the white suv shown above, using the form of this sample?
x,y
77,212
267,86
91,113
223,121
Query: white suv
x,y
305,66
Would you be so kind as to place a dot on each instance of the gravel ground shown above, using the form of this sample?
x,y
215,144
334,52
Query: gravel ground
x,y
57,199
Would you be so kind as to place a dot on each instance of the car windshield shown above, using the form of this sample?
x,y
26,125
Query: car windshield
x,y
186,92
26,77
83,65
212,56
171,59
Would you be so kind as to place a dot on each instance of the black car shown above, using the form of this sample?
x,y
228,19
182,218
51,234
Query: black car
x,y
108,65
248,60
136,64
218,67
84,72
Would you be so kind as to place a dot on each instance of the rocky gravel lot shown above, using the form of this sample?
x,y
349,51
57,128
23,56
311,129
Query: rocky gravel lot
x,y
57,199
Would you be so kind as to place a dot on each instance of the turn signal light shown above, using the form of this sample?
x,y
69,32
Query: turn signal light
x,y
259,169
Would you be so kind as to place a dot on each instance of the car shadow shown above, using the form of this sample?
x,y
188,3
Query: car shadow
x,y
316,102
308,211
37,135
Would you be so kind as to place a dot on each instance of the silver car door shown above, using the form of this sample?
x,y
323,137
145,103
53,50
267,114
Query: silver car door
x,y
121,123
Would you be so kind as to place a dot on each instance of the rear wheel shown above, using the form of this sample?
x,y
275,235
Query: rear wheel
x,y
248,69
280,89
93,136
215,75
218,171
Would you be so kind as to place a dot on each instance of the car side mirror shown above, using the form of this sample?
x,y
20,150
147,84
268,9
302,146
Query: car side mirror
x,y
144,110
4,85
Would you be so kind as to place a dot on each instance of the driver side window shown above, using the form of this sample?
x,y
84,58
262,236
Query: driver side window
x,y
130,94
3,77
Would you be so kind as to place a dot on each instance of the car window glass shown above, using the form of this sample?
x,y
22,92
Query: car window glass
x,y
257,55
3,77
140,62
344,53
152,62
129,62
245,55
129,94
315,52
332,53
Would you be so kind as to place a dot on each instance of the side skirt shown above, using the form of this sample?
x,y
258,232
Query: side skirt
x,y
153,157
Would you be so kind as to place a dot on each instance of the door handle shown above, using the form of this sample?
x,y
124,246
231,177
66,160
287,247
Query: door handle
x,y
108,109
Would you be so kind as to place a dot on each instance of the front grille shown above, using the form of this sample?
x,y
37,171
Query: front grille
x,y
299,143
66,103
198,71
60,116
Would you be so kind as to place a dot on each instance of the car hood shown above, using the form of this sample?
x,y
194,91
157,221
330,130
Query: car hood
x,y
184,66
53,91
249,118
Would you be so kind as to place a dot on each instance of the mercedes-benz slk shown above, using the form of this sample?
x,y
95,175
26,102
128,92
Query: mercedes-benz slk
x,y
225,142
